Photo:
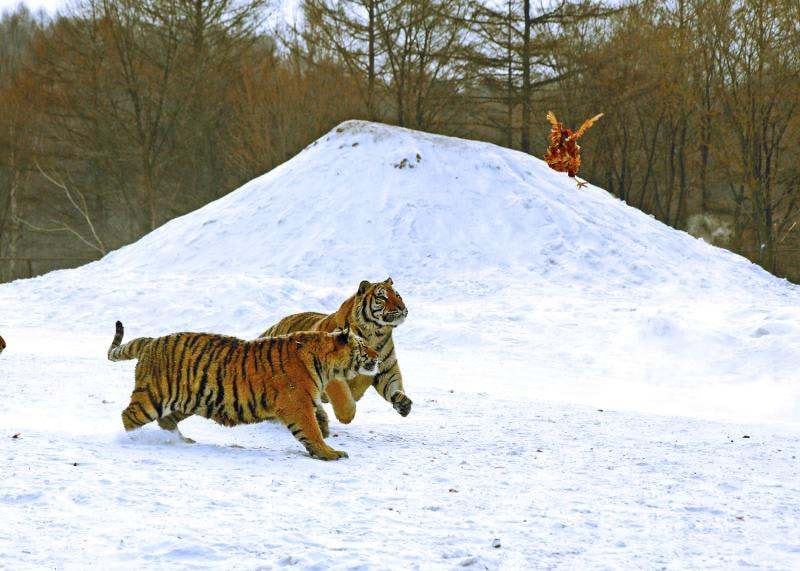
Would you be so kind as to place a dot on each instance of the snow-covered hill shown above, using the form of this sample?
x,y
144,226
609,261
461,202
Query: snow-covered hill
x,y
521,289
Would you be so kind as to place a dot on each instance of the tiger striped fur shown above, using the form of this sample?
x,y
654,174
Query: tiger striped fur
x,y
232,381
372,312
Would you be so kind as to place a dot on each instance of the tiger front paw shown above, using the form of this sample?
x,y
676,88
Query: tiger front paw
x,y
345,413
401,403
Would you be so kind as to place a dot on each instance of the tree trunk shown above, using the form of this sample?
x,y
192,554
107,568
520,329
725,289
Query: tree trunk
x,y
13,211
509,85
525,142
705,146
13,221
683,197
151,198
371,65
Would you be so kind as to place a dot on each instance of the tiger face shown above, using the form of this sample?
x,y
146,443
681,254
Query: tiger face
x,y
363,360
384,305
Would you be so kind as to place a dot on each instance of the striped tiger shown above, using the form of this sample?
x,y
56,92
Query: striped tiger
x,y
2,344
232,381
373,312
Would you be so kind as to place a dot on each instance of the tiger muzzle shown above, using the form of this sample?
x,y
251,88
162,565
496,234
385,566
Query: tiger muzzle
x,y
370,368
396,317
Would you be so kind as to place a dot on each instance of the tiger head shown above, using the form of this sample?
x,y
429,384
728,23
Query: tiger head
x,y
360,358
381,303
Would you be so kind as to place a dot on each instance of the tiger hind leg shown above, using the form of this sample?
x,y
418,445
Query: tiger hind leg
x,y
322,420
139,412
302,423
170,423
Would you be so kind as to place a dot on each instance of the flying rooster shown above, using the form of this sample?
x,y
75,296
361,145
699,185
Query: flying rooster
x,y
563,153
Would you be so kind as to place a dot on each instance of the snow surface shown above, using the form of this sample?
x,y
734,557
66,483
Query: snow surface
x,y
531,305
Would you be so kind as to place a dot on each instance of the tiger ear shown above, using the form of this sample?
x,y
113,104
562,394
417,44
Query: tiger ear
x,y
342,335
389,281
362,287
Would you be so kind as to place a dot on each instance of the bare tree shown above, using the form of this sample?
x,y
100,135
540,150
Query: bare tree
x,y
348,30
760,101
16,136
63,225
281,102
425,68
520,43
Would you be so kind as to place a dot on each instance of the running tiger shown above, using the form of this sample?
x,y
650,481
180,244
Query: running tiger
x,y
232,381
373,313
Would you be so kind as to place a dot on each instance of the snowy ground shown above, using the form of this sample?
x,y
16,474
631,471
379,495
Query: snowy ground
x,y
531,306
558,485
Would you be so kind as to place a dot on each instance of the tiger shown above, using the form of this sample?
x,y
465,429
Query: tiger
x,y
2,344
232,381
372,312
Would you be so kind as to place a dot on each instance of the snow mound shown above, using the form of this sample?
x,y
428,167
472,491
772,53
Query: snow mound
x,y
504,264
369,199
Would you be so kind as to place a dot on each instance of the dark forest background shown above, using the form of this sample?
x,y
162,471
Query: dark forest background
x,y
117,116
